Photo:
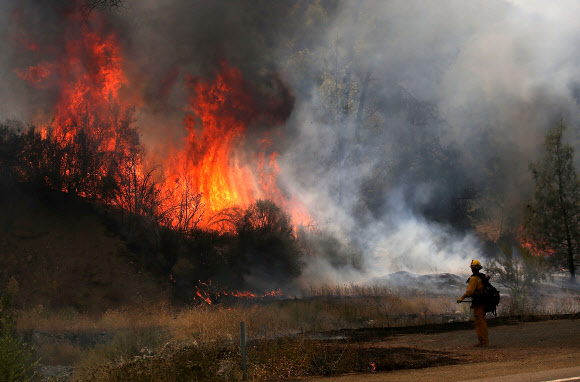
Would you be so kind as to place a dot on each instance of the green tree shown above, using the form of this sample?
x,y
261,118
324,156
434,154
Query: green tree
x,y
552,218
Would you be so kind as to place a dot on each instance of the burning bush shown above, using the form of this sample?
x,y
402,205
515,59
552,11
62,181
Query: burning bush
x,y
87,164
262,254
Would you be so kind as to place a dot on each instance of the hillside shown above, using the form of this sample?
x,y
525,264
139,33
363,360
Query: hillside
x,y
61,254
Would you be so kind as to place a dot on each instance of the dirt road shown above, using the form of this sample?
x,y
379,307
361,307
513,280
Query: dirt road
x,y
528,349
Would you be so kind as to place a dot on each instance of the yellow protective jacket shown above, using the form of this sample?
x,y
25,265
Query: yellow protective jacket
x,y
474,287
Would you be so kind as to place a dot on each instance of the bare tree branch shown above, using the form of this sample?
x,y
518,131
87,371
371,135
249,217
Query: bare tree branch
x,y
90,5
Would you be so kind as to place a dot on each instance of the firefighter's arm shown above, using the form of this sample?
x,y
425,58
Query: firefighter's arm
x,y
471,287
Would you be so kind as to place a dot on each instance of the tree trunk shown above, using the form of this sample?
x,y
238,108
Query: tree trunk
x,y
569,248
571,263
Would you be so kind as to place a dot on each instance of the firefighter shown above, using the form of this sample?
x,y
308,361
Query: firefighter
x,y
475,288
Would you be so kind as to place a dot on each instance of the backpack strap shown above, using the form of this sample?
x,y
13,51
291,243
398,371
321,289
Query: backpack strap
x,y
484,278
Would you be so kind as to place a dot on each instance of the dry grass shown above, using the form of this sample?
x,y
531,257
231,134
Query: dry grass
x,y
317,312
159,342
60,353
564,302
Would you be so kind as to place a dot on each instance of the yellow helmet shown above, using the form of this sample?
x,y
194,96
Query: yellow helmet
x,y
475,264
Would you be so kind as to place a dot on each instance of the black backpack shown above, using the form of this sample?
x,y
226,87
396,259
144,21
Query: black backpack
x,y
489,297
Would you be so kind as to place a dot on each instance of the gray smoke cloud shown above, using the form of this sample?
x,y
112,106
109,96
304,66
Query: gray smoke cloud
x,y
485,79
456,98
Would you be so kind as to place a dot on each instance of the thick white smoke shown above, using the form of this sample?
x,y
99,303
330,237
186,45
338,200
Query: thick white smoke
x,y
499,73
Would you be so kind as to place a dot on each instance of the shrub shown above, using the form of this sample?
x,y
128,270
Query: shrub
x,y
17,359
268,248
520,273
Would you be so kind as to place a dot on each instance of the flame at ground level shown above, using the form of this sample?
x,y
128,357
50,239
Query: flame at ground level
x,y
536,249
209,294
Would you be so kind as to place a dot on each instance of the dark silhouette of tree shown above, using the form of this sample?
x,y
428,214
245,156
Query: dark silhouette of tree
x,y
188,211
92,158
88,6
268,249
39,160
137,193
9,148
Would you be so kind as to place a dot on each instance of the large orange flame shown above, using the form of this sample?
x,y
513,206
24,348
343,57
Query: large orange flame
x,y
213,172
224,108
224,175
89,75
88,116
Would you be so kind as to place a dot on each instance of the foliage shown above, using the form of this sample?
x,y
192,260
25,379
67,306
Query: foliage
x,y
552,218
9,145
17,359
263,252
267,247
205,257
521,272
85,161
